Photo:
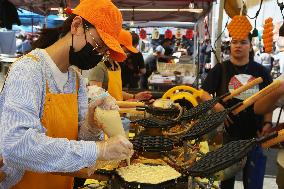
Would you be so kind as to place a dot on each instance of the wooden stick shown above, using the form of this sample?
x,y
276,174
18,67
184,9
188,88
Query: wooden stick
x,y
243,88
276,140
128,104
249,101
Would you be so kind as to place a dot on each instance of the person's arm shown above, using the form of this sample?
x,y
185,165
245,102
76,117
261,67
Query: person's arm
x,y
127,96
141,64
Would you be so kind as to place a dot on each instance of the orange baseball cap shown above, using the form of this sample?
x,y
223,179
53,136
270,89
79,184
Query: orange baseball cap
x,y
107,20
125,39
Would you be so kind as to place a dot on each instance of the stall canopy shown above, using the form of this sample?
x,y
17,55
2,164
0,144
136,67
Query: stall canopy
x,y
132,9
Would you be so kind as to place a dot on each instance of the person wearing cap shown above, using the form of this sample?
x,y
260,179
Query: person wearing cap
x,y
45,120
133,67
107,74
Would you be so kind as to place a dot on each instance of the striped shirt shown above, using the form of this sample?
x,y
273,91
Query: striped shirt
x,y
23,143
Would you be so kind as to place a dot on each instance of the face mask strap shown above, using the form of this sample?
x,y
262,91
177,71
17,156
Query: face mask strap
x,y
72,40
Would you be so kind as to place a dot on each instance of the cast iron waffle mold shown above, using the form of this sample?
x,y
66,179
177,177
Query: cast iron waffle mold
x,y
145,143
199,110
173,111
202,108
153,122
225,156
222,158
205,124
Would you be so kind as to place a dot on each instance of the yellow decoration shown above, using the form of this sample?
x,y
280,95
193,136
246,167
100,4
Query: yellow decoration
x,y
239,27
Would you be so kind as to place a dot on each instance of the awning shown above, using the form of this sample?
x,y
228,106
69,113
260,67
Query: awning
x,y
43,7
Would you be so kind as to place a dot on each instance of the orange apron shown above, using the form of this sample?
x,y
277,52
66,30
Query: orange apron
x,y
115,84
60,118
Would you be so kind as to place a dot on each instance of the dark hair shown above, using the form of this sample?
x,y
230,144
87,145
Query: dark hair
x,y
166,40
49,36
135,38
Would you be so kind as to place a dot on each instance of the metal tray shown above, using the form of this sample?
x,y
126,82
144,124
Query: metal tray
x,y
205,125
145,143
153,122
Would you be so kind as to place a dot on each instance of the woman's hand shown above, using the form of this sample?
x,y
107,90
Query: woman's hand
x,y
114,148
145,95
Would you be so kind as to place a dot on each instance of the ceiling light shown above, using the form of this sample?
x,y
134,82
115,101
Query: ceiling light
x,y
191,5
162,10
153,10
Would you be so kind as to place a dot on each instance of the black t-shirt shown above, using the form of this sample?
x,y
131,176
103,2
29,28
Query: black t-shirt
x,y
226,77
130,70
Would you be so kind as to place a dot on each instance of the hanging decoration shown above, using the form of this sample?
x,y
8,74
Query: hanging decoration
x,y
178,34
155,34
143,34
239,27
168,34
268,35
189,34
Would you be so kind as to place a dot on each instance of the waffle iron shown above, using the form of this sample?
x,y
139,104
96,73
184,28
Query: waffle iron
x,y
172,111
225,156
207,123
145,143
154,122
195,112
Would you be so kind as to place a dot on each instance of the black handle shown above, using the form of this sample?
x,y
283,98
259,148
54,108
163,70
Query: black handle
x,y
224,95
235,106
141,108
267,137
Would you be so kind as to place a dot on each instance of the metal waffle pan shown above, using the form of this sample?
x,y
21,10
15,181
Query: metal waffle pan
x,y
205,125
154,122
225,156
144,143
173,111
201,109
222,158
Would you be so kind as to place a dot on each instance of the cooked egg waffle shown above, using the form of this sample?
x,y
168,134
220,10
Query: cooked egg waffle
x,y
148,176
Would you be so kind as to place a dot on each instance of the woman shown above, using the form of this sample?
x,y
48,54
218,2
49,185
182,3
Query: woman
x,y
107,74
43,106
